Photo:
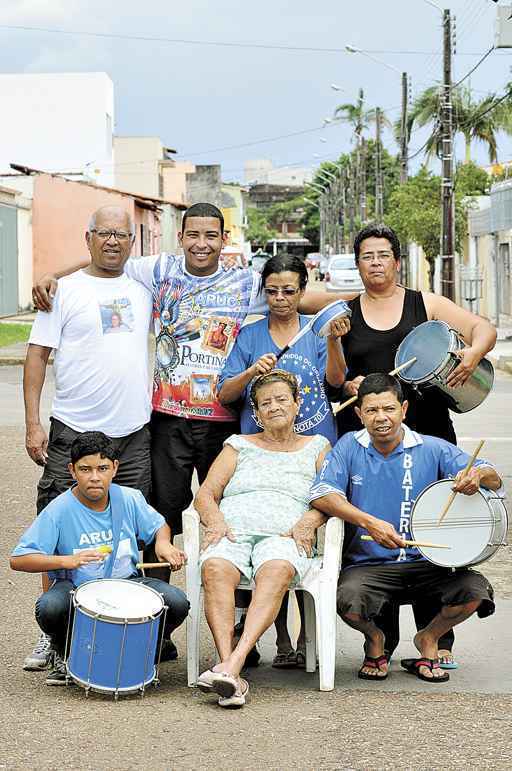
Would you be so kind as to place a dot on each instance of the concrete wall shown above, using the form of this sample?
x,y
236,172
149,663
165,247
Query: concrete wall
x,y
205,185
174,180
61,213
136,164
58,122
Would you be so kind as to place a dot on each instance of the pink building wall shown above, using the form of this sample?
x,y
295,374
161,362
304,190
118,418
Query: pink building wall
x,y
61,210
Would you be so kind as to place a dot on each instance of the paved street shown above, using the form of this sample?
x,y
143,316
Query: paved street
x,y
288,723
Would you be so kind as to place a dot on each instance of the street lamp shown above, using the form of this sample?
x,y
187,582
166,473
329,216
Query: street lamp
x,y
404,150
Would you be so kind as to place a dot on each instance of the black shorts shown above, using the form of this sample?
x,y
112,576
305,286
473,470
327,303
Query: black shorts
x,y
366,590
178,446
134,452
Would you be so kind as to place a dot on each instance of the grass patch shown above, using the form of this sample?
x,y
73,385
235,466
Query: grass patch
x,y
14,333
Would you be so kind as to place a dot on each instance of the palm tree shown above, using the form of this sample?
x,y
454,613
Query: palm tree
x,y
360,118
475,120
358,115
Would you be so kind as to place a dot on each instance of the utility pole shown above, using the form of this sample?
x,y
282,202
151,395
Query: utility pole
x,y
364,215
448,218
379,195
404,149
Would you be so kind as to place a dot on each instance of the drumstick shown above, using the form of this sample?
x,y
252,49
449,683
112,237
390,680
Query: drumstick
x,y
454,492
393,372
144,565
425,544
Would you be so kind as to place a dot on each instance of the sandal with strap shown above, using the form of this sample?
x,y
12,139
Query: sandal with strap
x,y
413,667
373,662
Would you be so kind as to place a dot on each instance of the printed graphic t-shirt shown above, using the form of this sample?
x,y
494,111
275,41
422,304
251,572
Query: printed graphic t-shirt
x,y
66,526
306,360
197,319
99,330
385,487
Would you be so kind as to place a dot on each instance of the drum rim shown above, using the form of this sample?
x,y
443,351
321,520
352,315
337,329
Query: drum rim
x,y
88,685
440,367
477,559
118,619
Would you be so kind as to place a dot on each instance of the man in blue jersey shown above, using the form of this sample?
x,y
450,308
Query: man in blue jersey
x,y
371,479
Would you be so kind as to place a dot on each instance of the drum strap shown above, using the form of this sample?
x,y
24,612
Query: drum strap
x,y
117,506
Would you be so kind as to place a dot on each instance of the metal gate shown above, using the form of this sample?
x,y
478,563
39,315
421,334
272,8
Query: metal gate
x,y
8,260
504,278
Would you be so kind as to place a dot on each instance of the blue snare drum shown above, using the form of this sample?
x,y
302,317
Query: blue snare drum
x,y
114,636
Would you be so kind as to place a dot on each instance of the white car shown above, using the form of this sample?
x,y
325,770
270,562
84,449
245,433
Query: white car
x,y
342,274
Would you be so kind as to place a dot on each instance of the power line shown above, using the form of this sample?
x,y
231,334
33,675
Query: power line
x,y
219,43
467,75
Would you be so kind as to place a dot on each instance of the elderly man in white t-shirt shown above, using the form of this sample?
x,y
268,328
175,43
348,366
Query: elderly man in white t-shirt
x,y
101,378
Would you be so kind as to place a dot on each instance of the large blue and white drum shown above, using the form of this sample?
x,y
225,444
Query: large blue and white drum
x,y
114,636
435,346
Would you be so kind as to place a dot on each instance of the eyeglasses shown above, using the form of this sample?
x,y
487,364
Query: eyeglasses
x,y
381,256
119,235
286,292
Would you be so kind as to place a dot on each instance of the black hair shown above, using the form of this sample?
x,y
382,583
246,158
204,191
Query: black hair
x,y
203,210
379,383
282,262
93,443
376,230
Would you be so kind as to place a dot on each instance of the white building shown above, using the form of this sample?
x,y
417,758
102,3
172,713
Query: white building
x,y
58,122
262,172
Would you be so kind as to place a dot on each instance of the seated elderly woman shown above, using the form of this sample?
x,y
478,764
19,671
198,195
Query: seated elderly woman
x,y
254,504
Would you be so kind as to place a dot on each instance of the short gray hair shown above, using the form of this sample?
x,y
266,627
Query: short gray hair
x,y
92,220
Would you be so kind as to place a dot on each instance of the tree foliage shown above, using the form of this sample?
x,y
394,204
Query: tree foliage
x,y
259,229
415,213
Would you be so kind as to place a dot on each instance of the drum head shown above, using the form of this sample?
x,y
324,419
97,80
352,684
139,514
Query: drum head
x,y
466,528
322,321
113,598
429,342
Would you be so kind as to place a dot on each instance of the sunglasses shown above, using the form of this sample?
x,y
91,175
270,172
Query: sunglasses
x,y
287,292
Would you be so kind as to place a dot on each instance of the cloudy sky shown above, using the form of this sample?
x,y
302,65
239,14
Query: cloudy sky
x,y
217,103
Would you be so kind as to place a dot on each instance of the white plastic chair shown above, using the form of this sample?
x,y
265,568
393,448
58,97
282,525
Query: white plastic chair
x,y
319,587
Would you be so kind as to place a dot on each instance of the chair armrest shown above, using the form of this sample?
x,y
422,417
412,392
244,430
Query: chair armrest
x,y
332,547
191,535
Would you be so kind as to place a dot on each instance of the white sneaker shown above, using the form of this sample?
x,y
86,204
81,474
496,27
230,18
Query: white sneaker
x,y
238,699
40,656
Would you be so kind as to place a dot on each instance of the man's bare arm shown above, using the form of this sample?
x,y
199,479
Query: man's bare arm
x,y
34,373
336,505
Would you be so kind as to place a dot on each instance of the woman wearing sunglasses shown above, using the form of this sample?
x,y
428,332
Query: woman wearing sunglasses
x,y
318,363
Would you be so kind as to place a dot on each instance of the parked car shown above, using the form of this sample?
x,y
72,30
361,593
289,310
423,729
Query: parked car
x,y
259,259
342,274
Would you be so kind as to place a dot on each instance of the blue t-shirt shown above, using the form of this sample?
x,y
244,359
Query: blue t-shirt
x,y
385,487
306,360
66,526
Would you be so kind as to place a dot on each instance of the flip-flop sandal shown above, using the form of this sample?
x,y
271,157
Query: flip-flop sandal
x,y
413,667
225,684
285,660
373,663
448,664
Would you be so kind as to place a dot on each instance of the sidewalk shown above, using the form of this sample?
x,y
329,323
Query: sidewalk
x,y
500,356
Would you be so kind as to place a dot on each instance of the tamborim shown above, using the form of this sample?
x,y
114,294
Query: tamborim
x,y
320,323
114,636
474,527
435,347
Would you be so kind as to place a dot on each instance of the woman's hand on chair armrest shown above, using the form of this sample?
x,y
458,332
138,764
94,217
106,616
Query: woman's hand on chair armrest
x,y
304,531
215,531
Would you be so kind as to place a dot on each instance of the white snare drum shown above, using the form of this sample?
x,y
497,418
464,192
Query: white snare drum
x,y
474,527
435,347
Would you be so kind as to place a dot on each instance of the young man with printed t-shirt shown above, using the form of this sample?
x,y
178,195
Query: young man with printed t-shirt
x,y
72,537
371,479
193,298
98,327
